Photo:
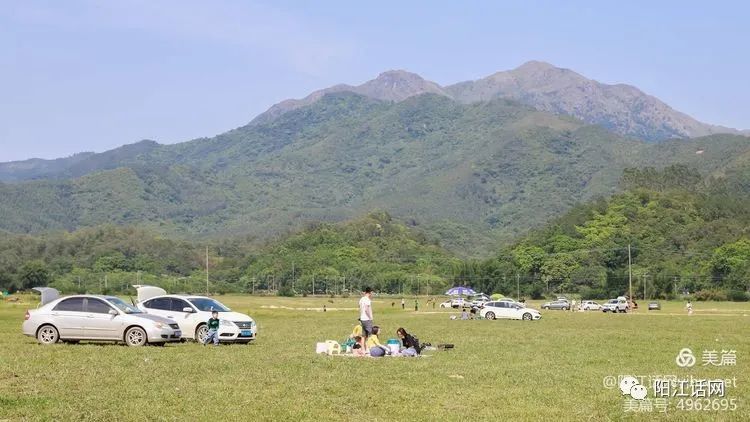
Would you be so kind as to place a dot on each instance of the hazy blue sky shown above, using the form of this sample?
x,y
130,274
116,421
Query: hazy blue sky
x,y
80,75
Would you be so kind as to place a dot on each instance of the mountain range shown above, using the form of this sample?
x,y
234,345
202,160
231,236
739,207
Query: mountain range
x,y
621,108
470,165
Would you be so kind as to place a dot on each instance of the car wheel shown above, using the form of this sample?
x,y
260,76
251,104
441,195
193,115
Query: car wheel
x,y
201,332
545,307
47,334
135,336
527,316
564,308
489,315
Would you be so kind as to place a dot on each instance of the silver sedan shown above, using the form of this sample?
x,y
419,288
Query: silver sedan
x,y
96,318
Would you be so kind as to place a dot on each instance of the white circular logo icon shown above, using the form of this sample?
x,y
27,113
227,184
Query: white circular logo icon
x,y
638,392
626,383
685,358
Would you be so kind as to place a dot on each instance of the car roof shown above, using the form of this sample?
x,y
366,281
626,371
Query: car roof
x,y
88,296
179,297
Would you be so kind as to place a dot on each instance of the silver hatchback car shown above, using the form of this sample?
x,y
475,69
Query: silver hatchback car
x,y
95,318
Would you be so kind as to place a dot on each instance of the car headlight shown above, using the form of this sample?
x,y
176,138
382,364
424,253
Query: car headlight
x,y
226,323
161,325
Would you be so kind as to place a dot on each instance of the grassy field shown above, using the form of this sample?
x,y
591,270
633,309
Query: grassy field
x,y
555,368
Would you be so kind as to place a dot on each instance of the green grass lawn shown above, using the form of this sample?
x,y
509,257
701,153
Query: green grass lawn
x,y
543,370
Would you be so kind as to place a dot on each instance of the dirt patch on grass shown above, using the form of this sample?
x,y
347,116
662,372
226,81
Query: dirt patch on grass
x,y
316,309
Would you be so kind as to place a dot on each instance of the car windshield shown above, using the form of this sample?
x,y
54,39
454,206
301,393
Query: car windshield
x,y
207,305
613,301
123,306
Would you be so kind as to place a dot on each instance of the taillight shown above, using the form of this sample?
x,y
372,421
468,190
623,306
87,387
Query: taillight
x,y
27,316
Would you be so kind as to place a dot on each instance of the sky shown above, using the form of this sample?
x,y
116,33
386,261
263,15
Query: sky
x,y
85,75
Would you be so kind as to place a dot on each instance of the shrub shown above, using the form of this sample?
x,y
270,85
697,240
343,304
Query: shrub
x,y
737,296
705,295
286,291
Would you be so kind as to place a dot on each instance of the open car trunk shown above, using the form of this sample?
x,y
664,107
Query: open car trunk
x,y
147,292
48,294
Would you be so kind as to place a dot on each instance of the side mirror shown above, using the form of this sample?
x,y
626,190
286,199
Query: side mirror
x,y
187,309
113,312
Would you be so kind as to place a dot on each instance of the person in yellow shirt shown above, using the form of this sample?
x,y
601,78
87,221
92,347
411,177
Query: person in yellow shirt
x,y
357,333
373,344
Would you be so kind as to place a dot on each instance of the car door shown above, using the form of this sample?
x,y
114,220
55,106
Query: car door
x,y
69,318
193,320
184,319
503,310
161,306
100,324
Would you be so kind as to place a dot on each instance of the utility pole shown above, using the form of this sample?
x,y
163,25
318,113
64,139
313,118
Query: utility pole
x,y
518,286
313,281
292,276
105,281
644,285
206,270
630,275
253,286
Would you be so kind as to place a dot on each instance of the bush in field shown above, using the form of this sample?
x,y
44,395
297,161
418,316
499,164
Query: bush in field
x,y
738,296
705,295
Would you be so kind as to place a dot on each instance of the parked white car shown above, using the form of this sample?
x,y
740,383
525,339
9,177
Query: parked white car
x,y
616,305
455,303
590,305
95,318
192,314
478,303
508,310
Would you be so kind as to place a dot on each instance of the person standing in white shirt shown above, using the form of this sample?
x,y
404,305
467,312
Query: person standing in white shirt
x,y
365,314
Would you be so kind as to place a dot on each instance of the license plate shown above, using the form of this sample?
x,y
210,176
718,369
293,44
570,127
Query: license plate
x,y
178,333
246,333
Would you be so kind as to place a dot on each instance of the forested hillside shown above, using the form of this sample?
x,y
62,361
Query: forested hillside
x,y
474,176
687,233
374,250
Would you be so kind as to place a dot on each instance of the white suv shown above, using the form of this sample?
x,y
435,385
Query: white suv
x,y
191,313
616,305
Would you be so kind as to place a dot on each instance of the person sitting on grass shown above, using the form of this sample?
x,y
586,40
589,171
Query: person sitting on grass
x,y
409,342
357,349
464,314
357,334
373,344
213,329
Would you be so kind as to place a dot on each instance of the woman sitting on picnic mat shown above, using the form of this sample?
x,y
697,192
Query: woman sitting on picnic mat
x,y
373,344
409,342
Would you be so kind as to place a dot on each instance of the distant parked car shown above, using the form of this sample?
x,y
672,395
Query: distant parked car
x,y
478,303
615,305
192,313
481,296
508,310
654,306
455,303
590,305
95,318
557,304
